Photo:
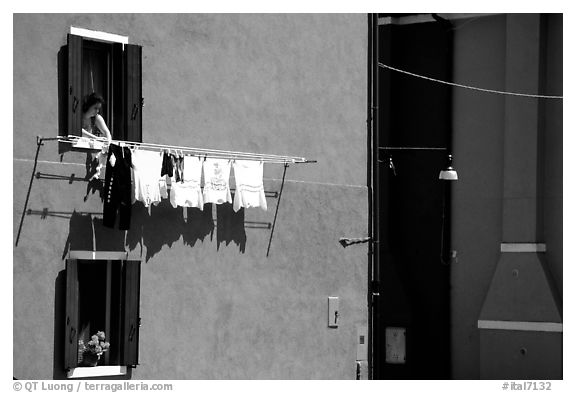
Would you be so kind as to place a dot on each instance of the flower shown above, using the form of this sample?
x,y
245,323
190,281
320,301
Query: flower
x,y
96,345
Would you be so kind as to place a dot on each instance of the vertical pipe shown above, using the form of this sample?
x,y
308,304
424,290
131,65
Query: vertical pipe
x,y
369,181
375,145
375,177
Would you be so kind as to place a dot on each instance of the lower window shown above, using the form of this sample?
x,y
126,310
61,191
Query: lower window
x,y
102,313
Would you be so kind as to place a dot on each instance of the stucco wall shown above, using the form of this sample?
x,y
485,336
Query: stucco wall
x,y
212,304
479,129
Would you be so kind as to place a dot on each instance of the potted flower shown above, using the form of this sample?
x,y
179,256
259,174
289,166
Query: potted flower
x,y
93,349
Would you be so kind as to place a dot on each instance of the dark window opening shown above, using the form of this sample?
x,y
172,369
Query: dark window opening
x,y
97,76
102,295
114,71
99,305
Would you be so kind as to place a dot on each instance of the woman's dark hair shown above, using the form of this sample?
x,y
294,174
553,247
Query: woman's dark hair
x,y
91,99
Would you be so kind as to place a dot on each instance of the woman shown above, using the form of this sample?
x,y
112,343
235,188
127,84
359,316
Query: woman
x,y
92,121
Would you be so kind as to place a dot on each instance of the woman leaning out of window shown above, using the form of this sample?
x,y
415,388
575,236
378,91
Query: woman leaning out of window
x,y
92,122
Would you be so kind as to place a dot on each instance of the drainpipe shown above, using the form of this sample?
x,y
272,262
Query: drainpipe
x,y
372,179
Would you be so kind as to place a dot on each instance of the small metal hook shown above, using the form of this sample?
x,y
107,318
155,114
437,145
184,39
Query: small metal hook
x,y
391,165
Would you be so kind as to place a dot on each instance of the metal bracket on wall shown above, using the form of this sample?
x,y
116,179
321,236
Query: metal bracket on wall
x,y
276,213
39,143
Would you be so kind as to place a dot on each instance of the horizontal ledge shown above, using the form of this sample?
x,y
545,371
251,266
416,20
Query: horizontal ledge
x,y
98,35
521,325
523,247
101,255
98,371
424,18
411,148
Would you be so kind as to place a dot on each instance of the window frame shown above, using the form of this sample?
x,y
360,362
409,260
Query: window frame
x,y
124,100
128,311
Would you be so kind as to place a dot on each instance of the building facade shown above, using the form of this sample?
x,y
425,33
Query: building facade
x,y
224,295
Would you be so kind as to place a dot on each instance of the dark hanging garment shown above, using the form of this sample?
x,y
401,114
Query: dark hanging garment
x,y
167,166
117,189
178,165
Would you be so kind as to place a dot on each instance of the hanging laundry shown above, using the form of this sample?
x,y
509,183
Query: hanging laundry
x,y
188,193
167,165
178,166
216,181
102,158
117,187
249,185
165,174
146,178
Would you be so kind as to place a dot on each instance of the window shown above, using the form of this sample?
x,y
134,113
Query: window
x,y
113,70
102,295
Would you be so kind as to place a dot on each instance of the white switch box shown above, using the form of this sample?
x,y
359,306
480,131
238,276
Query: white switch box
x,y
362,344
333,311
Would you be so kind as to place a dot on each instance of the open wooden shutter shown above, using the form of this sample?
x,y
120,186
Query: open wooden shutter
x,y
74,85
118,126
71,323
131,313
134,101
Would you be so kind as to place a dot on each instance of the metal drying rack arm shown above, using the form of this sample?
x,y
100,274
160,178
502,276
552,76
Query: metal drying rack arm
x,y
206,153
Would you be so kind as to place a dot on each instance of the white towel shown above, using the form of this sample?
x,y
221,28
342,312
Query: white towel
x,y
216,181
147,166
188,192
249,185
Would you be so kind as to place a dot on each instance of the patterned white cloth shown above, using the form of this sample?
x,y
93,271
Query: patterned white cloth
x,y
188,192
216,181
249,185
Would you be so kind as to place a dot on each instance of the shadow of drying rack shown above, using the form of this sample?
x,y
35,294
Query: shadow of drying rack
x,y
49,213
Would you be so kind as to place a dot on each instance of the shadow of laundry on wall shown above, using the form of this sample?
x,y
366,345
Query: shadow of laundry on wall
x,y
164,225
230,226
80,233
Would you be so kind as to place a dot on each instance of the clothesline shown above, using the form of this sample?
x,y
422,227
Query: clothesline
x,y
468,87
249,177
98,143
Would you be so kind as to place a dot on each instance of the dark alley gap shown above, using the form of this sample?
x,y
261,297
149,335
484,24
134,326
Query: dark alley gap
x,y
411,202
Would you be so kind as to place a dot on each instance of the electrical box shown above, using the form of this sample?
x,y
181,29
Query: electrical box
x,y
395,345
333,311
362,343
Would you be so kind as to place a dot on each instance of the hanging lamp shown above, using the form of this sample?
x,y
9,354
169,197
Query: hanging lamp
x,y
448,173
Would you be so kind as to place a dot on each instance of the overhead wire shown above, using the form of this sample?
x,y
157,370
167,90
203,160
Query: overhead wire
x,y
468,87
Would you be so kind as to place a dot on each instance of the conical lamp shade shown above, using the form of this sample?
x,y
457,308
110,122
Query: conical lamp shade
x,y
448,173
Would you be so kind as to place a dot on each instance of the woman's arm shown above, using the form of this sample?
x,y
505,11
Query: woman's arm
x,y
101,124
